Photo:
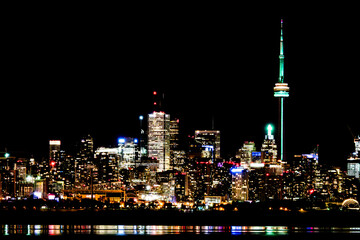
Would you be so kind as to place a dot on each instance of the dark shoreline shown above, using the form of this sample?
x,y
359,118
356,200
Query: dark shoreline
x,y
168,217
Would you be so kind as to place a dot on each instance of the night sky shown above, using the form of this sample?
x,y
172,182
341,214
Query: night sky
x,y
69,73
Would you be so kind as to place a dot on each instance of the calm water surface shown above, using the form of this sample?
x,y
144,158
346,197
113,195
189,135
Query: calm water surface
x,y
150,230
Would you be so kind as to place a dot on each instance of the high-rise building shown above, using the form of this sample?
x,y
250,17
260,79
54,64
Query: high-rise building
x,y
353,162
245,153
128,152
54,159
240,184
281,91
54,149
87,147
107,160
84,162
177,154
210,141
269,148
142,138
159,139
357,146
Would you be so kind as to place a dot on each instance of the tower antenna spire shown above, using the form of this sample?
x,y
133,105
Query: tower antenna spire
x,y
281,56
281,91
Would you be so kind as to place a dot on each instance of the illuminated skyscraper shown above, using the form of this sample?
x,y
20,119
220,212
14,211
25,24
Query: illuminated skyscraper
x,y
84,162
54,149
281,91
210,140
128,152
353,164
159,139
54,158
357,146
245,153
240,184
269,148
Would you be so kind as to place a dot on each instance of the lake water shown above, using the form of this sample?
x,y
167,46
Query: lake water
x,y
168,230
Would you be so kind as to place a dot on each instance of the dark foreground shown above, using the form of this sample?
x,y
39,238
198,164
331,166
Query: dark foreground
x,y
169,217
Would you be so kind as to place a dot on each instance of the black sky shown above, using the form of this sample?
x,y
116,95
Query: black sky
x,y
67,73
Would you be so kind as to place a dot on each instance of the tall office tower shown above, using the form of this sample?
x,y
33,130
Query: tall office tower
x,y
240,184
159,139
142,137
87,147
67,170
84,162
269,148
353,162
54,159
128,152
281,91
107,165
245,153
210,141
357,146
174,134
177,155
54,149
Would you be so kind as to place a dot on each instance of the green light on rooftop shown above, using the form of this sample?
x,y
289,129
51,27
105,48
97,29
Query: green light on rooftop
x,y
269,129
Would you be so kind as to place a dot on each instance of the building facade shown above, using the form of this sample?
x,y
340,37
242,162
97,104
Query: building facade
x,y
159,139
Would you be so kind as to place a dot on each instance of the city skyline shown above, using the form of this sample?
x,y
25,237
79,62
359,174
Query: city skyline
x,y
232,83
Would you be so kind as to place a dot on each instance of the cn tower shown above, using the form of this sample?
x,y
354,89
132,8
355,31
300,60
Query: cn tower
x,y
281,91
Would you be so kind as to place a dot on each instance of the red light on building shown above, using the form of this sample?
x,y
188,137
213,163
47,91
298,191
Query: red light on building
x,y
52,163
311,191
155,103
154,92
267,174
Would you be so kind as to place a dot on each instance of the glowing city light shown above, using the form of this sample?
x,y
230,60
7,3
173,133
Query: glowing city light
x,y
269,129
237,170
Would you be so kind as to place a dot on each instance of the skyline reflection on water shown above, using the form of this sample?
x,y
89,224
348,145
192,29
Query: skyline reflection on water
x,y
127,230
